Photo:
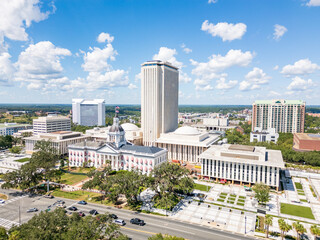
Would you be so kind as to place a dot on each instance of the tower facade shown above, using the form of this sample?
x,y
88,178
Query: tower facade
x,y
285,116
89,112
159,99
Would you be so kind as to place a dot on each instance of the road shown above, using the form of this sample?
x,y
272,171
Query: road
x,y
9,214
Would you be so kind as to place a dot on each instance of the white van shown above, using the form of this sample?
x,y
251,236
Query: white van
x,y
120,222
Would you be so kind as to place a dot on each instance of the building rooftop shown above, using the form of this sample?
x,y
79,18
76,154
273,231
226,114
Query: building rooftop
x,y
279,101
141,149
244,154
51,118
159,63
83,101
88,144
308,136
6,125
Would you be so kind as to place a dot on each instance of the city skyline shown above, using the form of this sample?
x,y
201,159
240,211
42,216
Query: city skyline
x,y
227,53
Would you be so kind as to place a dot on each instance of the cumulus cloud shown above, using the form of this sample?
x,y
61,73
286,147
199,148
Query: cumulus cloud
x,y
313,3
185,49
301,67
6,69
168,55
40,63
16,16
103,37
222,84
227,31
204,88
300,84
254,79
279,31
212,1
132,86
218,63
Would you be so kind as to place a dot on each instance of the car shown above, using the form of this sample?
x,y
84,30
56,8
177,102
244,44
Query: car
x,y
113,216
137,221
2,201
73,208
69,213
120,222
61,205
61,201
82,202
32,210
48,196
81,214
93,212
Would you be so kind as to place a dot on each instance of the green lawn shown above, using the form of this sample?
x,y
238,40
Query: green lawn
x,y
298,185
77,195
72,178
201,187
303,200
223,194
230,201
221,199
296,210
232,195
240,203
313,193
22,160
242,197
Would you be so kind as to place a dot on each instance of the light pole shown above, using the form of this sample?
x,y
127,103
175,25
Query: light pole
x,y
245,224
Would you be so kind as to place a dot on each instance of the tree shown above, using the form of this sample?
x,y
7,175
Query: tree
x,y
284,227
268,222
300,229
3,233
159,236
15,149
262,192
57,225
315,230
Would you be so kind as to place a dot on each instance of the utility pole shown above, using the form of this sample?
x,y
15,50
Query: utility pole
x,y
245,224
19,216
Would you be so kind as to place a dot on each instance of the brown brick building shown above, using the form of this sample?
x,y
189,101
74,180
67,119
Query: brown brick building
x,y
306,142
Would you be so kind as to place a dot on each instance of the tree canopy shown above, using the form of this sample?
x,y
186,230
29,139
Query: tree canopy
x,y
262,192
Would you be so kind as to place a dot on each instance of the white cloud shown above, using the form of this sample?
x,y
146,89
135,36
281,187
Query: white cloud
x,y
279,31
185,49
313,3
218,63
137,77
40,64
301,67
16,16
223,84
227,31
274,94
6,68
254,79
132,86
299,84
276,67
97,59
183,77
168,55
212,1
204,88
105,36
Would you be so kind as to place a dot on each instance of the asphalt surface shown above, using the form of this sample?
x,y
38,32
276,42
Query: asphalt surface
x,y
9,214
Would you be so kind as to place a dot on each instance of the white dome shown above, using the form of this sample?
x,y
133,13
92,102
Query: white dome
x,y
186,131
129,127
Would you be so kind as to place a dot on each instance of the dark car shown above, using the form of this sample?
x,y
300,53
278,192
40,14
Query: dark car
x,y
81,214
137,221
93,212
61,201
82,202
73,208
48,196
32,210
113,216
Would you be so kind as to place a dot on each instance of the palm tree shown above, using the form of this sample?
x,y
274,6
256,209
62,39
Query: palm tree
x,y
300,229
284,227
315,230
268,223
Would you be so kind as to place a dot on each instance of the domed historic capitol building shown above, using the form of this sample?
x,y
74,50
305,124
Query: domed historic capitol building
x,y
186,143
112,148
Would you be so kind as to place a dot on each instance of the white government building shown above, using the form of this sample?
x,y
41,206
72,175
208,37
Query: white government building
x,y
159,99
89,112
242,164
261,135
118,152
186,143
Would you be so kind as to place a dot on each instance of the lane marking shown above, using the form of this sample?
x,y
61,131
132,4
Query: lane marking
x,y
137,230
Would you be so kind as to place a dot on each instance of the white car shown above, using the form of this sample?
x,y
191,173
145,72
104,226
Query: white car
x,y
2,201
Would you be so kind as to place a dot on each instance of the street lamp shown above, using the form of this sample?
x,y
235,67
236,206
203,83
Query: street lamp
x,y
245,225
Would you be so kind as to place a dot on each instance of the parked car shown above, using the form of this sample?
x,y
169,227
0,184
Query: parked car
x,y
113,216
120,222
93,212
61,205
32,210
82,202
2,201
137,221
61,201
81,214
48,196
73,208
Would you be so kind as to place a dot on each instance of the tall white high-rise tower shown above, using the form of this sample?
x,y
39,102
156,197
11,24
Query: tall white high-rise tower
x,y
159,99
89,112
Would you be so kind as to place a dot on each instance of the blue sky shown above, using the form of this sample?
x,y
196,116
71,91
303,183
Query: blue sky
x,y
228,51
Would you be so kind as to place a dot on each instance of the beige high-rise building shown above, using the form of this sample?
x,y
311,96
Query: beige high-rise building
x,y
159,99
283,115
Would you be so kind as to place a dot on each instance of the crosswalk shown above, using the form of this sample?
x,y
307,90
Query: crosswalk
x,y
7,223
12,200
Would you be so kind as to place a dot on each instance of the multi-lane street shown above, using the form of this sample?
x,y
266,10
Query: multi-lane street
x,y
15,211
